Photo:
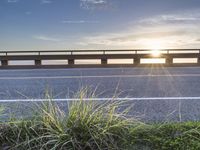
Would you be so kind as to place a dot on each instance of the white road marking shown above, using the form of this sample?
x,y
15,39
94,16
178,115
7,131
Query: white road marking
x,y
102,99
101,76
71,69
87,69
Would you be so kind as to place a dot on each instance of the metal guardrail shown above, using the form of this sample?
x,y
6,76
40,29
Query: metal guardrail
x,y
72,52
103,55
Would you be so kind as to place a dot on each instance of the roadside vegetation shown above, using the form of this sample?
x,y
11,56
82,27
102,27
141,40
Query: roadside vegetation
x,y
90,125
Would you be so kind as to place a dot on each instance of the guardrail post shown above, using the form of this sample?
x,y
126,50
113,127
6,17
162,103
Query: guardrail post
x,y
137,60
104,61
169,60
38,62
198,59
4,62
71,61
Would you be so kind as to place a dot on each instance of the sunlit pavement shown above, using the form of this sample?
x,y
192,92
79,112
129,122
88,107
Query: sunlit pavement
x,y
159,86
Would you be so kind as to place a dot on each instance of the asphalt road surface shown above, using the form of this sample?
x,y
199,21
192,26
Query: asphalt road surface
x,y
157,93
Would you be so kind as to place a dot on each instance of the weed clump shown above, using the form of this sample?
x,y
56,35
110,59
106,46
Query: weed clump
x,y
87,125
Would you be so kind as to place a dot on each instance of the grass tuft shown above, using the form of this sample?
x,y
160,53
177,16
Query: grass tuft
x,y
93,125
87,125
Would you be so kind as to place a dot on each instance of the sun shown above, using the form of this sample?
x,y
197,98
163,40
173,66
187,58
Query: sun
x,y
155,52
155,45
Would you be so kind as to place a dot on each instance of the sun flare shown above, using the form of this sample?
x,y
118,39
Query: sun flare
x,y
155,45
156,52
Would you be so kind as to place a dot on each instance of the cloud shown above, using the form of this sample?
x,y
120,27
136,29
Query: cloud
x,y
13,1
135,38
46,38
175,30
95,4
179,17
80,21
46,1
94,1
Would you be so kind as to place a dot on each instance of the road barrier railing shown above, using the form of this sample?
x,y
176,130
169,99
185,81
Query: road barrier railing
x,y
103,55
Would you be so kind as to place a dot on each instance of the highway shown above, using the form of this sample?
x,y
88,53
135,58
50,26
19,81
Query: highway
x,y
126,82
154,91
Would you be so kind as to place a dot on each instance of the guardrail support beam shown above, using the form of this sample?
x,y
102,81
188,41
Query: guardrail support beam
x,y
104,61
198,60
38,62
71,61
137,60
4,62
169,60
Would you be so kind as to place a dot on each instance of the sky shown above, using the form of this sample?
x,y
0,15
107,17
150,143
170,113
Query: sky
x,y
99,24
